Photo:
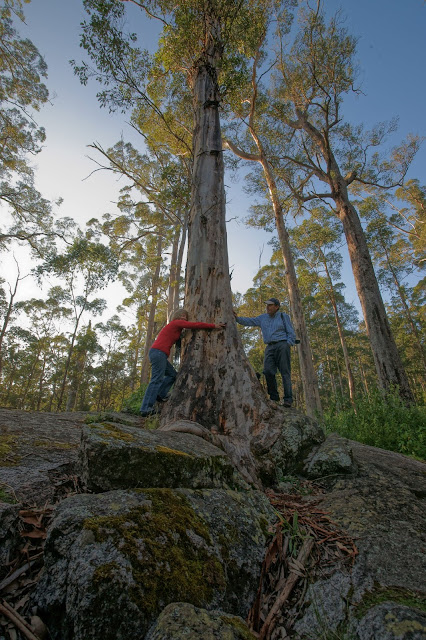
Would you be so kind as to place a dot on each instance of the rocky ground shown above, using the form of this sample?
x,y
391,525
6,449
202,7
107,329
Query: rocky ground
x,y
344,561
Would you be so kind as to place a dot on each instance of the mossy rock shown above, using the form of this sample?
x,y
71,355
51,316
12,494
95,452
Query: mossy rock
x,y
392,621
8,450
332,458
113,561
121,457
382,595
183,621
284,445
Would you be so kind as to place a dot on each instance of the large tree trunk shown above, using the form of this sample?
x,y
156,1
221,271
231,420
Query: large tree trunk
x,y
390,370
216,384
388,364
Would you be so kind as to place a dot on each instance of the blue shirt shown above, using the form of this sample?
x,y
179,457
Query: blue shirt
x,y
274,328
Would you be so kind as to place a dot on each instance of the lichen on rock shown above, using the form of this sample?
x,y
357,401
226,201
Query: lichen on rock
x,y
116,457
113,561
183,621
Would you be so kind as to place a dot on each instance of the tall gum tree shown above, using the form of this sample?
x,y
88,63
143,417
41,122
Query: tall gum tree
x,y
216,385
319,148
307,369
316,239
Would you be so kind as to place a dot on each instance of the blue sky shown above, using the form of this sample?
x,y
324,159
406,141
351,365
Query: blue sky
x,y
391,53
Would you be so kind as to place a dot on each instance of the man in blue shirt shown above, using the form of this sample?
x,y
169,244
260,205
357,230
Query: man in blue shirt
x,y
278,334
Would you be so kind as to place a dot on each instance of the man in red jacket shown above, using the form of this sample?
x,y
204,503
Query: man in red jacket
x,y
162,373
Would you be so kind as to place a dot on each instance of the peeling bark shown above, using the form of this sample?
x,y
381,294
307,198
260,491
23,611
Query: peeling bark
x,y
216,385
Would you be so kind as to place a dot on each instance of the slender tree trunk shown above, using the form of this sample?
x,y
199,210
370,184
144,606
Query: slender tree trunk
x,y
364,377
176,267
390,370
10,384
388,364
104,381
307,369
41,381
7,319
135,354
172,273
414,328
68,361
216,384
176,292
339,371
351,380
151,318
330,373
75,381
30,377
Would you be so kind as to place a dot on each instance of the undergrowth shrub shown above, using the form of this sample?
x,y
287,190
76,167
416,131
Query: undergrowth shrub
x,y
132,404
382,421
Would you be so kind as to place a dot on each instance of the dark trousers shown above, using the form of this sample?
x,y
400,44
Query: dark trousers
x,y
163,376
277,357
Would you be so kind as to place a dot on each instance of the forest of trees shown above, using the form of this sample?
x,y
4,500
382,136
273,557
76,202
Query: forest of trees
x,y
262,88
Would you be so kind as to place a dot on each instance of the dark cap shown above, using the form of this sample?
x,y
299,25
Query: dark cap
x,y
274,301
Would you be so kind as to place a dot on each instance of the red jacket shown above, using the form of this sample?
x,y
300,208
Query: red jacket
x,y
171,332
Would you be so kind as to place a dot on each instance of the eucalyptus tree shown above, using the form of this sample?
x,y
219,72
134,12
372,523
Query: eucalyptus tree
x,y
154,209
318,240
7,309
206,43
26,215
410,218
394,257
111,369
411,344
86,348
88,267
154,292
44,317
251,134
319,148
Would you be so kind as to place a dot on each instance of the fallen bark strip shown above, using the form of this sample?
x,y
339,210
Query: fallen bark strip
x,y
268,625
18,621
7,581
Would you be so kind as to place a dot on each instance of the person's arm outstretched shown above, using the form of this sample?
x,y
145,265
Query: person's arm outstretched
x,y
186,324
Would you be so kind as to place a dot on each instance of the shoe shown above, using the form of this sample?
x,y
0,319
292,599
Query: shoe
x,y
287,405
151,412
160,399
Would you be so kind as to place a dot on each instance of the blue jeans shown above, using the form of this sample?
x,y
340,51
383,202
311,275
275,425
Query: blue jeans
x,y
277,356
163,376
